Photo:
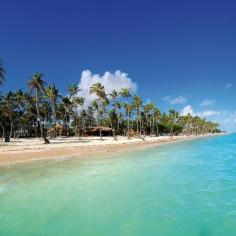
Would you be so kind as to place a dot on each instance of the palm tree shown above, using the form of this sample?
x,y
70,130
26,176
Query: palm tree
x,y
114,94
52,93
164,121
10,102
126,93
20,107
73,89
26,113
117,105
157,117
89,118
2,73
66,109
102,101
76,102
173,115
137,104
28,120
128,110
95,108
149,111
113,117
46,113
2,114
114,114
36,83
189,119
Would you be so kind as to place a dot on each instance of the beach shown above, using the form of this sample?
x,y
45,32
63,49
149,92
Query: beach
x,y
32,149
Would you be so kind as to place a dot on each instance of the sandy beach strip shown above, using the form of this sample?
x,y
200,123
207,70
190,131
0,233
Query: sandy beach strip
x,y
32,149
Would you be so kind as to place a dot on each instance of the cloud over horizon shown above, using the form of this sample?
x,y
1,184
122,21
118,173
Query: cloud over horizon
x,y
209,113
187,110
226,118
110,81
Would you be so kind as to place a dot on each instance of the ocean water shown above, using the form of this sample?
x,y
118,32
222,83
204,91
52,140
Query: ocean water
x,y
186,188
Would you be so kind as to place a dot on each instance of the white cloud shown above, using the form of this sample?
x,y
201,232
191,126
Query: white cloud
x,y
226,119
209,113
110,81
228,86
204,114
207,103
175,100
187,110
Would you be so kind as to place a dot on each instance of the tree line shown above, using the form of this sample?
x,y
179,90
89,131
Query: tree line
x,y
42,111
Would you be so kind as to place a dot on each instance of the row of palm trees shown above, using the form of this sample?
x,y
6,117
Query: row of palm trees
x,y
41,110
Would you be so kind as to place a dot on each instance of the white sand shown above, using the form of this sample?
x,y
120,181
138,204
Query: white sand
x,y
27,149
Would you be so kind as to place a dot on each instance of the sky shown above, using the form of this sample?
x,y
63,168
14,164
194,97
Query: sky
x,y
177,54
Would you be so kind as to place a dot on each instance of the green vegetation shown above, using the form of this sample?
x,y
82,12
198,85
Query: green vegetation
x,y
42,111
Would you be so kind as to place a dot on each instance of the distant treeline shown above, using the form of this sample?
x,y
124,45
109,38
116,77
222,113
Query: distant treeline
x,y
43,111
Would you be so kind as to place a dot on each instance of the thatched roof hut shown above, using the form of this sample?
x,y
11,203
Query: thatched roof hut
x,y
96,130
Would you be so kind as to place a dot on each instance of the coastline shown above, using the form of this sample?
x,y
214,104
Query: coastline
x,y
28,150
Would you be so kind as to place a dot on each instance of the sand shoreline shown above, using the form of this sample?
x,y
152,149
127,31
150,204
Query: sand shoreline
x,y
27,150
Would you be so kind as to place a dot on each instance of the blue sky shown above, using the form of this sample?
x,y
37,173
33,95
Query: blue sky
x,y
181,54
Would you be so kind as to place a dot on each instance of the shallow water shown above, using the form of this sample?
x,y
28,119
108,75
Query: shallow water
x,y
186,188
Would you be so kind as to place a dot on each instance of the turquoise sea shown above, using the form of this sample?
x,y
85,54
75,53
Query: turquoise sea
x,y
186,188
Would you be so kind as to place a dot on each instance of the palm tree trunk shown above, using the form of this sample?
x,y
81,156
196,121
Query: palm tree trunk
x,y
3,130
128,125
100,121
35,128
81,126
67,125
54,119
38,115
128,120
76,124
100,132
100,128
11,127
19,134
157,131
143,128
137,128
118,124
153,125
140,122
150,125
137,123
